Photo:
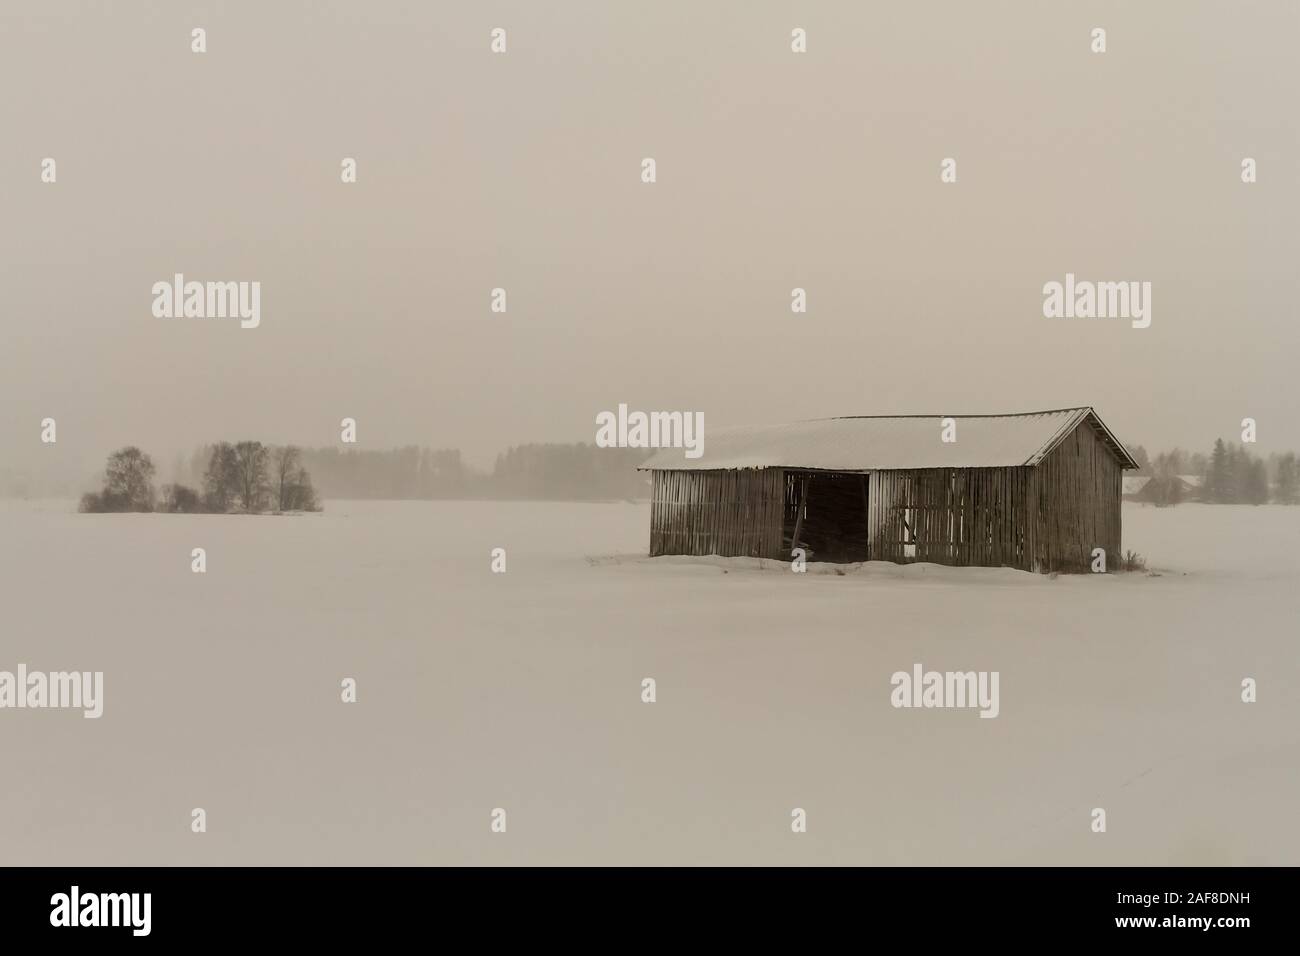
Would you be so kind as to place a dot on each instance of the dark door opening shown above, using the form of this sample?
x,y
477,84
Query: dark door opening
x,y
826,515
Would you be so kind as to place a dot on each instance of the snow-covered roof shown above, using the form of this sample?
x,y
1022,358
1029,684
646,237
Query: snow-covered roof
x,y
877,443
1135,483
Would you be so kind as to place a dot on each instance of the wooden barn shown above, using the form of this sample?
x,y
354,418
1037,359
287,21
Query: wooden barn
x,y
1037,491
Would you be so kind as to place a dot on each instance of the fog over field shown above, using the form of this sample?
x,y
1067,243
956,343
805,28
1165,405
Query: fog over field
x,y
521,171
478,690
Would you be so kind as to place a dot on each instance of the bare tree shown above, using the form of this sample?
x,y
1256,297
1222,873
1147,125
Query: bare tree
x,y
220,481
304,495
250,473
128,479
128,483
285,467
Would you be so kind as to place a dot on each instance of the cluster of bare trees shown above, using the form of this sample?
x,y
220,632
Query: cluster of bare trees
x,y
245,476
250,476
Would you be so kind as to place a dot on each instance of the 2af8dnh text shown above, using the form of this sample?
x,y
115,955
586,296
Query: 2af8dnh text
x,y
1187,897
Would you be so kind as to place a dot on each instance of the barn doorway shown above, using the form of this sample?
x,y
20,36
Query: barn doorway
x,y
826,515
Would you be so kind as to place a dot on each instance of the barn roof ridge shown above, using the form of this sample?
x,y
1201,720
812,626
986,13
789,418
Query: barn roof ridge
x,y
1045,411
892,442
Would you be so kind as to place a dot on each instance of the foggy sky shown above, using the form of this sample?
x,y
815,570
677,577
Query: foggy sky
x,y
522,171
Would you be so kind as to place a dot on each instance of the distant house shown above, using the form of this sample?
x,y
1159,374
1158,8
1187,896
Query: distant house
x,y
1038,491
1133,485
1166,490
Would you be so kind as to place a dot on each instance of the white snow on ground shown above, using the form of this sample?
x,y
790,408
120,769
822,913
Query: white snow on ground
x,y
522,691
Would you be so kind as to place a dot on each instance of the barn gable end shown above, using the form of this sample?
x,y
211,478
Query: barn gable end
x,y
1075,495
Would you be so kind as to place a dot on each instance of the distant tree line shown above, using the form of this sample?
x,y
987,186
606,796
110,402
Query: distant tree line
x,y
567,472
1230,474
246,476
397,473
1235,476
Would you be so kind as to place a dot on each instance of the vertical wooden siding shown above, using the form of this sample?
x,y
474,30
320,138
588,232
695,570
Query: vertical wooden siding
x,y
1075,494
717,512
960,516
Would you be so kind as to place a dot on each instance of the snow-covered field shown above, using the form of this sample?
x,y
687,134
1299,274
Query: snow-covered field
x,y
523,691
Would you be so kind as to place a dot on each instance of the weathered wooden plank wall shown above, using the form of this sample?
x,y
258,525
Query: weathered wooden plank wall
x,y
959,516
1075,494
717,512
